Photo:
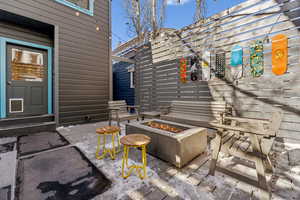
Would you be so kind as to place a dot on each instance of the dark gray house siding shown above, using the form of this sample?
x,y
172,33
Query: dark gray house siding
x,y
81,57
10,30
121,83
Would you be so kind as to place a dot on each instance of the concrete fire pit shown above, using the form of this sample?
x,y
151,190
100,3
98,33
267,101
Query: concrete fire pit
x,y
176,148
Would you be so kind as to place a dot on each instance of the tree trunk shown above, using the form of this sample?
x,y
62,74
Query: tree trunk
x,y
154,23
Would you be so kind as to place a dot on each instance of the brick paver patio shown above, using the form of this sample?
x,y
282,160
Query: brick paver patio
x,y
191,182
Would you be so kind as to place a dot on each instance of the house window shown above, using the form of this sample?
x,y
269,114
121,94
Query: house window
x,y
85,6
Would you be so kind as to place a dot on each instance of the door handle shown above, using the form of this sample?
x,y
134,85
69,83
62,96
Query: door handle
x,y
8,82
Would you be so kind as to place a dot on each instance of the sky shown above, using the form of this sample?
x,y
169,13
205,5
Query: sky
x,y
177,16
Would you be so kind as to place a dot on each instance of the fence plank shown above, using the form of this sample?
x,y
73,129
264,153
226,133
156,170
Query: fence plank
x,y
157,67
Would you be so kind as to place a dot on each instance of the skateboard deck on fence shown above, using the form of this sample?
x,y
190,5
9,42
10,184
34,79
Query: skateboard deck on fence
x,y
236,62
206,66
194,69
257,58
279,54
183,70
220,64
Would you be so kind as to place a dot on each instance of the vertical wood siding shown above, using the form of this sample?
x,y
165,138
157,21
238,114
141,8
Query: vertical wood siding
x,y
83,55
250,97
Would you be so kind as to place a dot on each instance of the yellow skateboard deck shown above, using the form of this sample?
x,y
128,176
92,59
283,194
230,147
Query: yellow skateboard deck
x,y
279,54
206,66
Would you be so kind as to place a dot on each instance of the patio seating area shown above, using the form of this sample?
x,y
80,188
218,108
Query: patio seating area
x,y
173,108
233,178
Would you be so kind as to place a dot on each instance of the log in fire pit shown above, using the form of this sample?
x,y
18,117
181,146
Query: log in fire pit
x,y
165,126
173,142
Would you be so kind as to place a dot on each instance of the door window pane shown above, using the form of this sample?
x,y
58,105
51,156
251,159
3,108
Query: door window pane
x,y
27,66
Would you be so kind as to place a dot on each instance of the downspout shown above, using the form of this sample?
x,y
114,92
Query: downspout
x,y
56,74
110,56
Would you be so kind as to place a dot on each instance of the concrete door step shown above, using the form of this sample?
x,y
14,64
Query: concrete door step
x,y
26,128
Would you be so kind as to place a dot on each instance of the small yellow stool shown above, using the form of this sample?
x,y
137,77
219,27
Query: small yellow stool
x,y
135,140
108,130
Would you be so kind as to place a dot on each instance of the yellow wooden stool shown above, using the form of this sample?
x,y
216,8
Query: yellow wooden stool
x,y
135,140
108,130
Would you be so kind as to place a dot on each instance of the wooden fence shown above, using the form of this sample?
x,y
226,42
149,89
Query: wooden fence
x,y
157,75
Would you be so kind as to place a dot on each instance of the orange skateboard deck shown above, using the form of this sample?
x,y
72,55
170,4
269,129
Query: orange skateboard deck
x,y
183,70
279,54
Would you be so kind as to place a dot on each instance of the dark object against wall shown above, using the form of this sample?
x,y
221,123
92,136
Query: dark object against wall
x,y
121,83
220,65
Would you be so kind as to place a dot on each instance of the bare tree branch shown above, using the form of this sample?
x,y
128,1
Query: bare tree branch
x,y
144,16
200,9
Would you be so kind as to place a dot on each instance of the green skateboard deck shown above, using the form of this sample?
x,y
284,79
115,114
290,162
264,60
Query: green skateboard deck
x,y
257,58
236,62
